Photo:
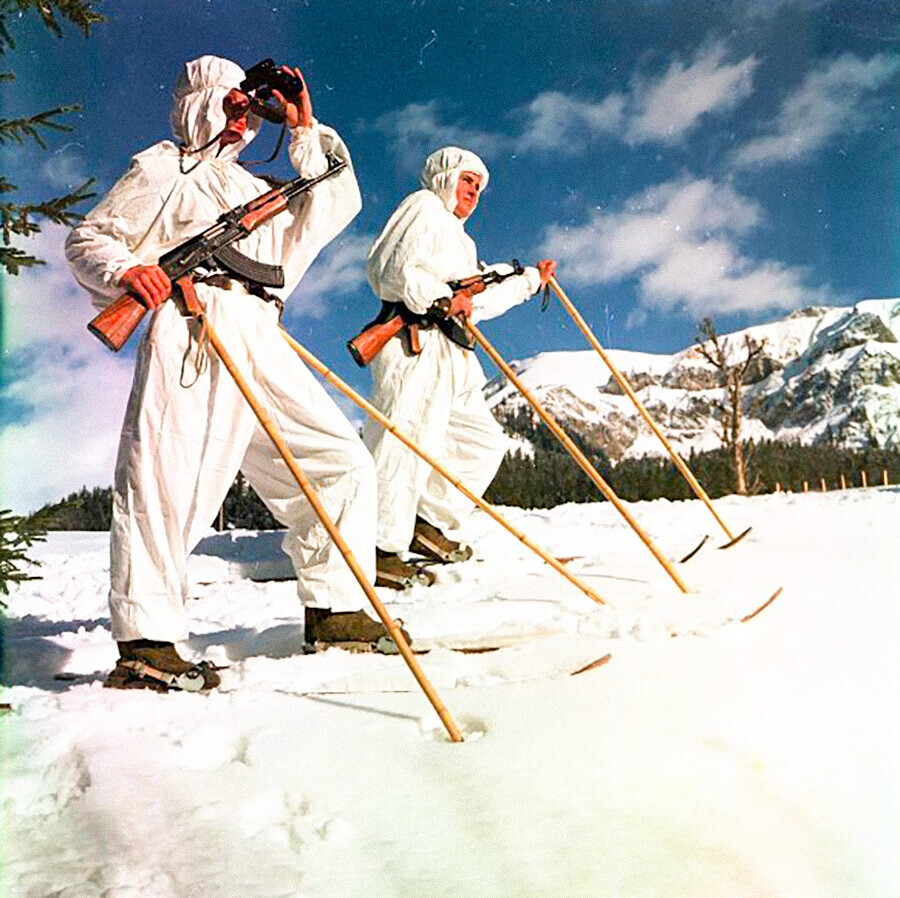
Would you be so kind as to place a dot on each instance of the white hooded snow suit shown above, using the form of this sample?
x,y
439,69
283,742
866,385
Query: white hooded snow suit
x,y
434,397
187,433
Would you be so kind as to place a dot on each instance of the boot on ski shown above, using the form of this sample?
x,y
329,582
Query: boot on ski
x,y
150,664
353,630
432,544
392,572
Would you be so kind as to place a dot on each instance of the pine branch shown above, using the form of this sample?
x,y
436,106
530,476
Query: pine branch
x,y
18,129
16,218
78,12
13,259
17,535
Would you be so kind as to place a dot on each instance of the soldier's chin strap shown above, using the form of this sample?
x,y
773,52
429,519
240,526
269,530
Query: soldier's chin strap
x,y
190,151
275,152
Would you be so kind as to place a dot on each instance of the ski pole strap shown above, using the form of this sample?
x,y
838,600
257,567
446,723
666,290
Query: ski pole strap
x,y
545,302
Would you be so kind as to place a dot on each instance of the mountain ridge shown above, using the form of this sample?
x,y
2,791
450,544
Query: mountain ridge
x,y
825,374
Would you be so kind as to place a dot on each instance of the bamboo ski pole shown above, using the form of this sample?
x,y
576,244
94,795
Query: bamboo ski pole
x,y
389,425
312,497
577,455
629,392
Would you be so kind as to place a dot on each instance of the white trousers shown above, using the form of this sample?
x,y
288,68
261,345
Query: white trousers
x,y
186,436
436,399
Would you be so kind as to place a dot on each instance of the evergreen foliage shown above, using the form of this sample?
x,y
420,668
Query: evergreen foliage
x,y
92,510
244,510
21,219
550,477
17,534
84,510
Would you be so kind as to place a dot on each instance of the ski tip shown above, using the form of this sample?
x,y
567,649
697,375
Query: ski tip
x,y
736,540
775,595
599,662
694,551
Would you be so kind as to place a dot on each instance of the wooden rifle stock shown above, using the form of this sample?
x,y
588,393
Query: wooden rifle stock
x,y
118,321
365,346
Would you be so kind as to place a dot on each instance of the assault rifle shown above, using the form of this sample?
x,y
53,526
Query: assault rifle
x,y
394,317
118,321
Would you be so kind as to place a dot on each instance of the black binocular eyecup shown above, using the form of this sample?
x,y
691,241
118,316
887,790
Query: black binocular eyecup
x,y
259,82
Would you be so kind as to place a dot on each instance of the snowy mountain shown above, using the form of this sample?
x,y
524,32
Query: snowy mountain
x,y
824,373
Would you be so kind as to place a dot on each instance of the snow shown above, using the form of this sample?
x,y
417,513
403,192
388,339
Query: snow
x,y
834,374
709,757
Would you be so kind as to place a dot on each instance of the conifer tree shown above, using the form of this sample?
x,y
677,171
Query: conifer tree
x,y
17,534
22,219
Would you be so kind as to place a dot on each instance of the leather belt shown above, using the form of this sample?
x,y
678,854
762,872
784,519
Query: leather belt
x,y
254,288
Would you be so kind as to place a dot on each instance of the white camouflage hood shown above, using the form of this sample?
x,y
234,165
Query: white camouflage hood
x,y
197,115
442,169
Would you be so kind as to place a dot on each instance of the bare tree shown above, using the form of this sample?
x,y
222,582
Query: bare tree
x,y
733,363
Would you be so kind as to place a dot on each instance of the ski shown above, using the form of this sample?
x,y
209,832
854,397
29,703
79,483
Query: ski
x,y
598,662
736,540
593,665
385,646
749,617
694,551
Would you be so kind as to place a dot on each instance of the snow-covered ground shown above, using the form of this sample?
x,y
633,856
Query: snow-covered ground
x,y
734,760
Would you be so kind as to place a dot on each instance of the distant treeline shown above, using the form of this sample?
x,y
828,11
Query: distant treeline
x,y
92,510
550,477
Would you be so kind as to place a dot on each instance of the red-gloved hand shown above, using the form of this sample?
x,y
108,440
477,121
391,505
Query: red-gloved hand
x,y
462,302
547,269
147,283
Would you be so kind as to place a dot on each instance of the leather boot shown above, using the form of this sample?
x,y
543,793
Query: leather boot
x,y
430,542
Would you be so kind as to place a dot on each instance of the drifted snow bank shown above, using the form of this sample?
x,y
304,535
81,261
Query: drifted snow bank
x,y
709,757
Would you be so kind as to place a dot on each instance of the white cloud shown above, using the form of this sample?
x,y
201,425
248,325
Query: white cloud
x,y
340,269
765,9
559,122
829,102
665,109
679,240
660,110
65,168
64,394
414,131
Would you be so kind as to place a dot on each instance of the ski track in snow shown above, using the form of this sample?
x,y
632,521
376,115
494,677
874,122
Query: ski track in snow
x,y
737,759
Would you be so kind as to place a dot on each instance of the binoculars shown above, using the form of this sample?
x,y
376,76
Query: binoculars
x,y
259,82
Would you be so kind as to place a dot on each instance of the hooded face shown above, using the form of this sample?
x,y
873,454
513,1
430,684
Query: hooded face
x,y
468,189
441,175
199,108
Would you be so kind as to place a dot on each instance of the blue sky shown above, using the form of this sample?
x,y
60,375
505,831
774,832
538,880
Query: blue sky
x,y
738,159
